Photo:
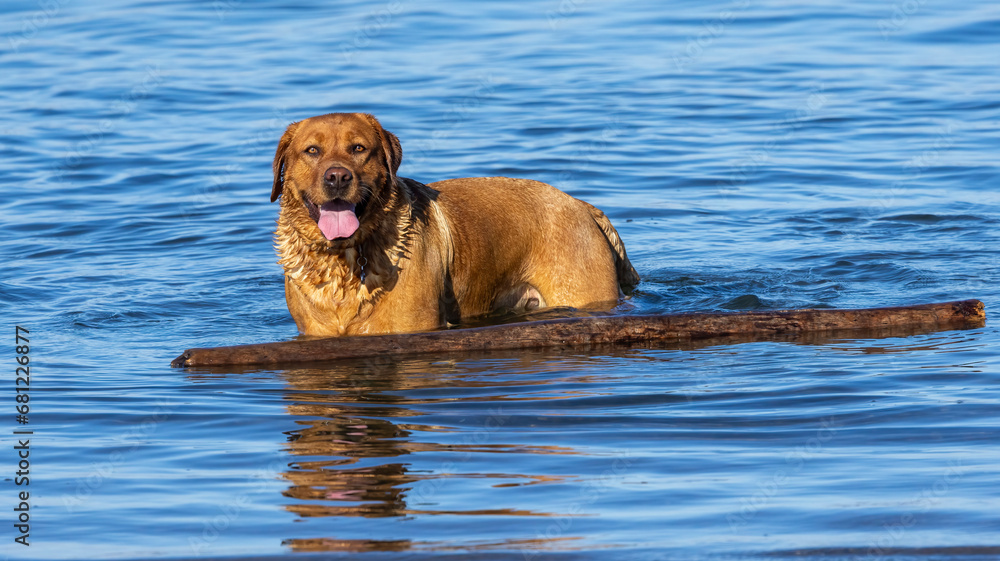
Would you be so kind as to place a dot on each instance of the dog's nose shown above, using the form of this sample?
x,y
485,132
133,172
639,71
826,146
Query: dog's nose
x,y
338,176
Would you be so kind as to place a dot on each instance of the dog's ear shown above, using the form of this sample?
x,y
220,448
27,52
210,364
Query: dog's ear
x,y
391,148
279,161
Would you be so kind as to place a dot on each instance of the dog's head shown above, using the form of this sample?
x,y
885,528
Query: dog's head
x,y
340,170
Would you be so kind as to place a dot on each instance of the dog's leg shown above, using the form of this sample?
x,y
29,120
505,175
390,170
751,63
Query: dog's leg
x,y
523,297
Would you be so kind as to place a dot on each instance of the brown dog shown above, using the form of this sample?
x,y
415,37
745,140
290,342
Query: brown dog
x,y
365,251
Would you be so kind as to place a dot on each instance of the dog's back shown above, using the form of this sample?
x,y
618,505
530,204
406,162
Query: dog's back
x,y
516,237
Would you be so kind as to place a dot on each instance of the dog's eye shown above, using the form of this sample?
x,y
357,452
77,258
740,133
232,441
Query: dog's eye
x,y
312,150
358,148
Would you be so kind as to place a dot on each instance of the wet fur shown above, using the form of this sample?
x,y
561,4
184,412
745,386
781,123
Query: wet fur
x,y
429,254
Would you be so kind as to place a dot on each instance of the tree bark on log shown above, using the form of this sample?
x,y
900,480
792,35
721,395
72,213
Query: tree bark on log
x,y
596,330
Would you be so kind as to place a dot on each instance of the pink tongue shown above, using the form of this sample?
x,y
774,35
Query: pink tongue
x,y
337,219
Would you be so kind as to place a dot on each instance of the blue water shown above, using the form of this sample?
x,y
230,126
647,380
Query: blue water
x,y
752,154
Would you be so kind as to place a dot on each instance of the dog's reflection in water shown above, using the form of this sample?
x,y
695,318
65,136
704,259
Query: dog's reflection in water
x,y
363,450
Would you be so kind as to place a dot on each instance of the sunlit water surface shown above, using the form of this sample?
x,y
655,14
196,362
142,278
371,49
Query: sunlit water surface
x,y
753,155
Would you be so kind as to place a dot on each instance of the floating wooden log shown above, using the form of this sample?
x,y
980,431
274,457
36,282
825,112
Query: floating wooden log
x,y
596,330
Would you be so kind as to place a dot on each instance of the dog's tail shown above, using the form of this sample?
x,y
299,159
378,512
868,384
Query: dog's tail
x,y
627,276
